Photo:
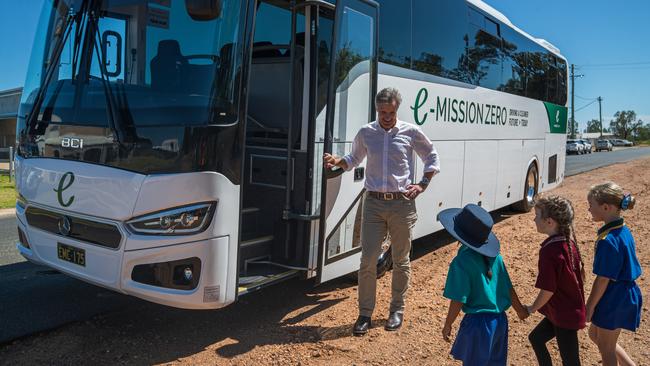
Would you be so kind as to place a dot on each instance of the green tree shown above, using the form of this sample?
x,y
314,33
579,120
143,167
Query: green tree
x,y
593,126
624,124
576,128
642,132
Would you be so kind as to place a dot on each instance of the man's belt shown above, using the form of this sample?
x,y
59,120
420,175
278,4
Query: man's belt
x,y
387,196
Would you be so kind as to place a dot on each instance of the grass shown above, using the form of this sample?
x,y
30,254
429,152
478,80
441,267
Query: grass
x,y
642,143
7,192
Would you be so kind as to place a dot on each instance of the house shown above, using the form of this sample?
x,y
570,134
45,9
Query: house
x,y
9,102
593,136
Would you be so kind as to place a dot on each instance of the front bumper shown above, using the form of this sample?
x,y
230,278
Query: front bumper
x,y
113,268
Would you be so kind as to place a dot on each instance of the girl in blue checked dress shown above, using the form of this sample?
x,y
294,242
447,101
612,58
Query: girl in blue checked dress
x,y
615,301
479,285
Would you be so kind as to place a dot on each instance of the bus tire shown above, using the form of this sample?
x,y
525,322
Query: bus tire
x,y
530,190
384,264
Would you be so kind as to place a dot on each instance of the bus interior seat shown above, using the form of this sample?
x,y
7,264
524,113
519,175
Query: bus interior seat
x,y
269,99
168,66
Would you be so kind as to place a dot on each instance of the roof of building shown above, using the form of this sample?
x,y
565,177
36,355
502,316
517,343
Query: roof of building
x,y
9,102
595,135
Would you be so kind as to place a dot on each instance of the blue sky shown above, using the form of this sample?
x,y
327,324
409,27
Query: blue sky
x,y
607,40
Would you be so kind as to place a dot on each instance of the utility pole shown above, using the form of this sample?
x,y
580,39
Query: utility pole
x,y
573,105
600,112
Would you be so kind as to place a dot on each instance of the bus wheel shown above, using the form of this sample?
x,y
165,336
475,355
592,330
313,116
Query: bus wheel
x,y
385,260
530,190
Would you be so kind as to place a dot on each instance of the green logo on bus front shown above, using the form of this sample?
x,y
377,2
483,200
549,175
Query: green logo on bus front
x,y
64,183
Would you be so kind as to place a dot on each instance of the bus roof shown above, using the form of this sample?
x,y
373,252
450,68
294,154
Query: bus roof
x,y
502,18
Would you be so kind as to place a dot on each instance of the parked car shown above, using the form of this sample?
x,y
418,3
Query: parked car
x,y
603,145
627,143
621,142
587,146
574,147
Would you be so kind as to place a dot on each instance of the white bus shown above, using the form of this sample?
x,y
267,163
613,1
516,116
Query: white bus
x,y
172,149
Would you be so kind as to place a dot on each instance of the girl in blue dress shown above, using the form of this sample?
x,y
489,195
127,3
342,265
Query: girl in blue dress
x,y
615,301
479,285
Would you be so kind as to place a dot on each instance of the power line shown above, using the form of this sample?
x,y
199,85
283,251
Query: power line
x,y
623,68
587,105
583,98
616,64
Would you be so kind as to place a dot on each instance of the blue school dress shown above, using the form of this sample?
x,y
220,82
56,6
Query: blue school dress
x,y
621,304
482,338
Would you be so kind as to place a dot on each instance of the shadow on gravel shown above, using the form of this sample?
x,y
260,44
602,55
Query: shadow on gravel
x,y
138,332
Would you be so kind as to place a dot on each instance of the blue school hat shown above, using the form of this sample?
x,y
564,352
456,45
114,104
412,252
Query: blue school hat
x,y
472,226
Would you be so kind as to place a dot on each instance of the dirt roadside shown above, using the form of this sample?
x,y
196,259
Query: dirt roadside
x,y
297,324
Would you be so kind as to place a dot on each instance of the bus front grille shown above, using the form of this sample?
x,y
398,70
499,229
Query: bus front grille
x,y
85,230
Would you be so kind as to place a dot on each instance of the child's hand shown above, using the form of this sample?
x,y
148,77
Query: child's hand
x,y
590,313
446,332
522,313
529,309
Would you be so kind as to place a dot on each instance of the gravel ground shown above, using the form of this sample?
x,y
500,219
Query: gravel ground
x,y
297,324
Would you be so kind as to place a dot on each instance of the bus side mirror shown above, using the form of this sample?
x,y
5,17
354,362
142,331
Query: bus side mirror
x,y
106,45
203,9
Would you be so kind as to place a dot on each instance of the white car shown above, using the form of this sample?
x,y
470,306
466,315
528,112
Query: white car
x,y
587,146
603,145
574,147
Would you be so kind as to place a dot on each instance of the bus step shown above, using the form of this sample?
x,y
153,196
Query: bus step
x,y
255,248
255,282
250,223
250,210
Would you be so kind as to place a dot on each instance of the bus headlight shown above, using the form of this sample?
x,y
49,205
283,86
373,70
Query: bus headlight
x,y
176,221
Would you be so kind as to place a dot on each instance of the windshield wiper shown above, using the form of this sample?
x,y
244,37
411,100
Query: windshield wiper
x,y
54,60
108,92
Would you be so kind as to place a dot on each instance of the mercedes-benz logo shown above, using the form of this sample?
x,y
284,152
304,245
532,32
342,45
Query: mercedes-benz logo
x,y
65,226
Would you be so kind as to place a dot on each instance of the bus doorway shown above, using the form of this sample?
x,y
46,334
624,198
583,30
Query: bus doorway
x,y
287,91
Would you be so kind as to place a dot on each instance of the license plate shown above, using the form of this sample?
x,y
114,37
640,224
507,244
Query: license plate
x,y
71,254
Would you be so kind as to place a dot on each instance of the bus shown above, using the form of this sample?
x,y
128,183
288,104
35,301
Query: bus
x,y
172,149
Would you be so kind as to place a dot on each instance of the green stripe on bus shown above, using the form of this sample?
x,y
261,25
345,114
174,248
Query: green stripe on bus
x,y
557,117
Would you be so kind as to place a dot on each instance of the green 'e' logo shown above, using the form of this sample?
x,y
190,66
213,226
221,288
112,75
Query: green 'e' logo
x,y
64,183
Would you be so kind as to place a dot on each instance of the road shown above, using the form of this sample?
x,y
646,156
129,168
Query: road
x,y
576,164
35,298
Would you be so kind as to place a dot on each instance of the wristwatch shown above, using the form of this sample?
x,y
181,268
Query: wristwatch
x,y
424,182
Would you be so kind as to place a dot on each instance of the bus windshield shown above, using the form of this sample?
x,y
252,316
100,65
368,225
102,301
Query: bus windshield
x,y
134,63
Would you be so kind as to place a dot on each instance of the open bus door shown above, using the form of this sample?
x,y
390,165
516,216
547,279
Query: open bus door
x,y
350,105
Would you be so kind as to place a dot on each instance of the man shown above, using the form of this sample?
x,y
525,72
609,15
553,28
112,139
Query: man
x,y
389,206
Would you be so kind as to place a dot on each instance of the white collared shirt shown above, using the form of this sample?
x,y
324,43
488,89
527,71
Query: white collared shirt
x,y
390,155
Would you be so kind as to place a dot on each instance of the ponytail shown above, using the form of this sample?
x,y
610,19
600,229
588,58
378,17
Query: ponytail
x,y
611,193
561,211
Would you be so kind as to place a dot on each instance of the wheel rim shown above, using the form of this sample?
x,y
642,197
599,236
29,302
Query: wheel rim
x,y
530,186
385,247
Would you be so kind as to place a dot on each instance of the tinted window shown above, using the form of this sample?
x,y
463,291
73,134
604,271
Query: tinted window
x,y
395,32
484,58
439,37
551,79
562,82
514,62
273,27
536,70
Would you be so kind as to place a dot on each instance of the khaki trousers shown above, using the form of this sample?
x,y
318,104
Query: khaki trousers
x,y
395,217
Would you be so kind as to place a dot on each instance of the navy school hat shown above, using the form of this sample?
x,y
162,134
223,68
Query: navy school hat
x,y
472,226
